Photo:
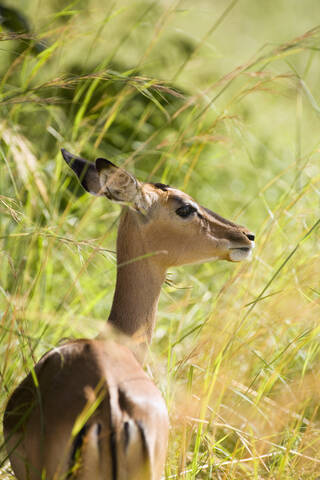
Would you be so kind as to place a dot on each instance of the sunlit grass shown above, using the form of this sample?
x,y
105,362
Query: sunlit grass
x,y
236,349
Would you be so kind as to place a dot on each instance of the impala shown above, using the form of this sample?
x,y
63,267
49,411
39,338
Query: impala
x,y
88,411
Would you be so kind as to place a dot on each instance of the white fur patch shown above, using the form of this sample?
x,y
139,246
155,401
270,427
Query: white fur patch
x,y
237,255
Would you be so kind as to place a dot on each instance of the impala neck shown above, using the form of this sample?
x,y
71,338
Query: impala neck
x,y
138,283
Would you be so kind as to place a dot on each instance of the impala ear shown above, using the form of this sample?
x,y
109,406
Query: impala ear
x,y
117,184
104,178
86,172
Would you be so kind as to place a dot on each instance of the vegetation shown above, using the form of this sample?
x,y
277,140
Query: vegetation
x,y
221,100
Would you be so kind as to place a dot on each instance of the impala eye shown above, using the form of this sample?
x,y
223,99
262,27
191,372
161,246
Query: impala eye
x,y
185,211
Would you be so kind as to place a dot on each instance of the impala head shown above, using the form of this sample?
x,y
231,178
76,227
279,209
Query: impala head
x,y
172,225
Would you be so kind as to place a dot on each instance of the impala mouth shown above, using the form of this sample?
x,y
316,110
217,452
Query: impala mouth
x,y
237,254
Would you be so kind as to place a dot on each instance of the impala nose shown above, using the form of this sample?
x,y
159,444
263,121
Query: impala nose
x,y
250,236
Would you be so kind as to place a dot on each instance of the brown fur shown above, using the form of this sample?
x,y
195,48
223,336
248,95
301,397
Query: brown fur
x,y
92,412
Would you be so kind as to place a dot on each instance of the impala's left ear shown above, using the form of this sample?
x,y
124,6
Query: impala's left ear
x,y
106,179
117,184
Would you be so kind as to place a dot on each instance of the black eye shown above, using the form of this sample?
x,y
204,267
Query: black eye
x,y
185,211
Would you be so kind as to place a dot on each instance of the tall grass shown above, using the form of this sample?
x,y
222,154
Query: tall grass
x,y
221,100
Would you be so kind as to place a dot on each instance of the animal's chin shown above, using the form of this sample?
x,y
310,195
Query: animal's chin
x,y
240,254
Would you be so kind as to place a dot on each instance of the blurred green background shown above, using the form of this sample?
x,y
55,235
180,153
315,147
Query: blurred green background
x,y
222,100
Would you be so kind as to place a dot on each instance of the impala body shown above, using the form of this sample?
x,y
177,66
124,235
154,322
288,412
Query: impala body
x,y
99,379
92,413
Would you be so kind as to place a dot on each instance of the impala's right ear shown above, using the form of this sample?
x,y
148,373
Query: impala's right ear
x,y
104,178
86,172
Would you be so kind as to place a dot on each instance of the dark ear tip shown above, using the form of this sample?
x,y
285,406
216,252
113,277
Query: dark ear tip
x,y
102,163
67,155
